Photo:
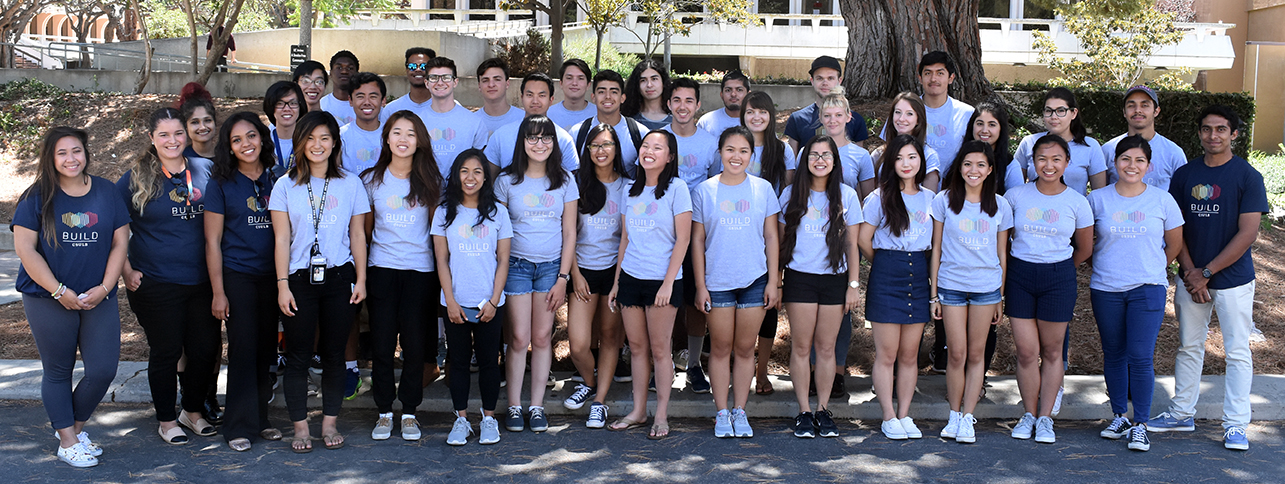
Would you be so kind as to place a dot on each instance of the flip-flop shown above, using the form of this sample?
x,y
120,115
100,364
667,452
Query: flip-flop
x,y
629,424
759,387
658,431
328,440
301,450
270,434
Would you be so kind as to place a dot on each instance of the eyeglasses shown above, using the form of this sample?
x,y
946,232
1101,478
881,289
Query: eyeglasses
x,y
287,104
313,81
260,201
1059,112
601,147
180,189
411,66
827,156
439,77
539,139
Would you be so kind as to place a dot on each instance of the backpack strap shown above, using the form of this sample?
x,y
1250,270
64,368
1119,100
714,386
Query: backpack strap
x,y
583,135
635,134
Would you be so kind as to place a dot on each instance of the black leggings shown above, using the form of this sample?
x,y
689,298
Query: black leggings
x,y
770,320
322,309
252,348
462,340
58,334
401,303
177,321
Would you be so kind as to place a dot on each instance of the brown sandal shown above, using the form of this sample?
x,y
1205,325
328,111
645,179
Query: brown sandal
x,y
763,386
333,440
294,445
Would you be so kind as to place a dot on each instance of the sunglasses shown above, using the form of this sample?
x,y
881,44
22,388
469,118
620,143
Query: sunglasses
x,y
411,66
179,188
260,200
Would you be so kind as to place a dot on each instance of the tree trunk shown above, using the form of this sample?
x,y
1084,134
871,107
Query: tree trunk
x,y
886,39
557,14
227,19
191,25
146,72
597,56
305,25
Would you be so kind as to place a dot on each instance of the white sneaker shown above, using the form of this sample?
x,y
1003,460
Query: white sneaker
x,y
967,434
1256,335
741,423
489,432
383,427
952,426
90,446
77,456
892,430
1044,431
723,424
912,431
460,432
410,428
1057,403
1025,427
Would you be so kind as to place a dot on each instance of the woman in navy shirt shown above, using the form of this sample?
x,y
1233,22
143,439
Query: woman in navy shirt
x,y
168,285
69,230
238,252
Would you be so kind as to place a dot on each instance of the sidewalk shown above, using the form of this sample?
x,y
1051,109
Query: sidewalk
x,y
1085,398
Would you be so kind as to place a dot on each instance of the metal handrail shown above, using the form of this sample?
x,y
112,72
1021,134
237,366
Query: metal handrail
x,y
70,51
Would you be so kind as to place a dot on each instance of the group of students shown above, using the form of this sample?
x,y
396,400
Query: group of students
x,y
648,222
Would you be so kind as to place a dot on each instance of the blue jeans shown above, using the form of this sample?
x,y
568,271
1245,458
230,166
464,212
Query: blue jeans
x,y
1128,323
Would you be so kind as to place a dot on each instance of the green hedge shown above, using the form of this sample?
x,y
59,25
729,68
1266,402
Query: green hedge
x,y
1102,113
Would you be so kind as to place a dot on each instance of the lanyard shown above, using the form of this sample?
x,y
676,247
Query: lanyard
x,y
316,221
282,160
190,194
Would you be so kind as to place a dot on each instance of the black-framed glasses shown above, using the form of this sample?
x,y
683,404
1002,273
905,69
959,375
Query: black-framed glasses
x,y
1059,112
412,66
601,146
180,190
260,200
827,156
287,104
439,77
538,139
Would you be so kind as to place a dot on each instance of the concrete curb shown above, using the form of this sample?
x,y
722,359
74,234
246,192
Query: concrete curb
x,y
1085,397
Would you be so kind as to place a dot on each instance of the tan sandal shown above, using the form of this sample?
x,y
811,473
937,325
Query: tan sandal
x,y
241,444
270,434
174,436
200,427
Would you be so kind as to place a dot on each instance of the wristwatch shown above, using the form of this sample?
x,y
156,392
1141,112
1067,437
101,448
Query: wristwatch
x,y
854,284
565,277
1206,273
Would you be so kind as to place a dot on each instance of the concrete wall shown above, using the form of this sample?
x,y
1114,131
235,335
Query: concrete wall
x,y
1265,79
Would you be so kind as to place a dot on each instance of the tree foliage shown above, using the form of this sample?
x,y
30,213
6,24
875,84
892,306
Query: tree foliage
x,y
1118,36
525,55
557,12
14,15
332,13
668,18
602,15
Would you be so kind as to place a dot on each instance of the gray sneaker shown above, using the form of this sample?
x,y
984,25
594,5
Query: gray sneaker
x,y
410,429
459,432
1025,427
723,424
741,423
1044,431
383,427
490,431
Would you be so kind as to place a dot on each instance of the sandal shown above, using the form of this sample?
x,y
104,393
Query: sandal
x,y
623,424
763,386
174,436
333,441
297,448
658,431
199,427
270,434
240,444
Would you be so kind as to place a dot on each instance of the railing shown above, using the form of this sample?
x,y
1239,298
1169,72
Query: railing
x,y
65,53
1200,30
767,19
415,15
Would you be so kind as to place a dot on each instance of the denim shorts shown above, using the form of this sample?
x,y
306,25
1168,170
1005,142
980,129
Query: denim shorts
x,y
526,277
951,297
746,297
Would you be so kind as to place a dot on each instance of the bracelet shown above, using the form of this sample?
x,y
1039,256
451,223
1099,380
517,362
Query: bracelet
x,y
934,300
488,301
58,292
279,279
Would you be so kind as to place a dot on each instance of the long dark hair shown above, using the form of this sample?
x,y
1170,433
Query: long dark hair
x,y
836,232
425,179
453,196
225,162
895,215
957,187
1078,131
633,88
46,183
1131,142
300,172
537,125
773,159
593,194
666,174
1000,150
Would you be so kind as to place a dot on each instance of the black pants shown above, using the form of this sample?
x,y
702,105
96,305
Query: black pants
x,y
462,340
252,348
323,309
177,321
59,333
402,303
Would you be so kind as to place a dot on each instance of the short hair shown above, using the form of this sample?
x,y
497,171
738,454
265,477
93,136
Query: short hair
x,y
279,90
734,75
936,57
307,68
537,77
437,62
608,75
490,63
421,51
361,78
576,63
686,82
835,99
1233,120
343,54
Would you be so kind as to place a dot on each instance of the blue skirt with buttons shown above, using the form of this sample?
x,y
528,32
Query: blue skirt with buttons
x,y
897,291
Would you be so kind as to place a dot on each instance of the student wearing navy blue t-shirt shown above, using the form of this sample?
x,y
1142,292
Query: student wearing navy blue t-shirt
x,y
168,285
825,75
69,231
238,252
1222,199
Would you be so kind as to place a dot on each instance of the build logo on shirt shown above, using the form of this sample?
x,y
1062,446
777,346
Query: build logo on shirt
x,y
532,200
470,247
396,203
981,227
263,221
645,208
735,207
1034,214
79,220
188,209
607,218
1205,193
690,160
364,155
437,134
1130,224
814,221
474,231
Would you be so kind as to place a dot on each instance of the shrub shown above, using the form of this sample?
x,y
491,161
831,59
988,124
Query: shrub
x,y
525,55
582,47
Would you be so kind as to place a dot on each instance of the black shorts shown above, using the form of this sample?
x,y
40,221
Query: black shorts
x,y
804,287
640,293
600,281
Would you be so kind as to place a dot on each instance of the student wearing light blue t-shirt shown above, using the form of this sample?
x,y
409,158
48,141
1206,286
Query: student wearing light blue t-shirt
x,y
363,138
471,238
895,238
573,108
772,159
818,225
971,224
858,166
1040,290
537,93
735,248
452,126
1141,106
1139,233
319,225
1086,166
601,184
70,233
493,82
541,199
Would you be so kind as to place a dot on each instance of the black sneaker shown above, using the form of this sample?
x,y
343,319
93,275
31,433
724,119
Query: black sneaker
x,y
537,421
623,373
804,427
651,384
696,379
812,389
1119,428
515,422
1138,438
839,390
824,421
